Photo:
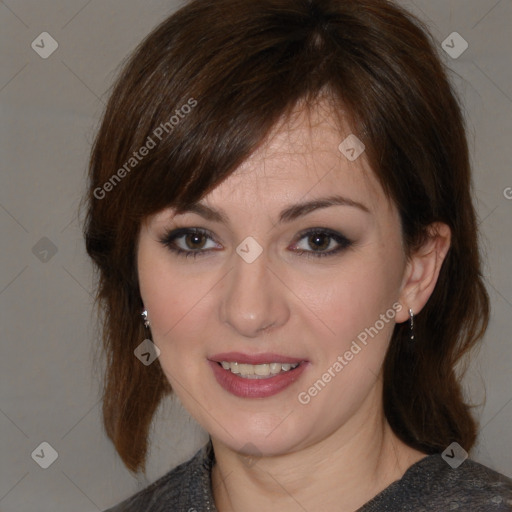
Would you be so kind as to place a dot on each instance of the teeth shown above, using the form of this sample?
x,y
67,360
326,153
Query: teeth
x,y
275,368
262,369
246,369
257,371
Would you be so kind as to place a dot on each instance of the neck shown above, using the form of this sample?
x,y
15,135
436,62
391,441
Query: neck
x,y
338,473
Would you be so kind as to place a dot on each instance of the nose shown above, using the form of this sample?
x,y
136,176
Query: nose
x,y
254,299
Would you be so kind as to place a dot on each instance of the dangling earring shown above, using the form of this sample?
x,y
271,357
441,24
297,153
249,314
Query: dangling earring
x,y
411,324
147,351
144,315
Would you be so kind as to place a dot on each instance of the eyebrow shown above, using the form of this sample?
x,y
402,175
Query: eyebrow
x,y
289,214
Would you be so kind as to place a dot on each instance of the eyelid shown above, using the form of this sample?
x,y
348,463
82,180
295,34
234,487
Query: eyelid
x,y
169,236
342,241
172,234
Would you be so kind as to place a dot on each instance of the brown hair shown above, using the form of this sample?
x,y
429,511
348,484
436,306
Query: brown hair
x,y
241,66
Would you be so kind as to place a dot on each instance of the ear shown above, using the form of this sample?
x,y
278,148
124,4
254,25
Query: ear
x,y
422,270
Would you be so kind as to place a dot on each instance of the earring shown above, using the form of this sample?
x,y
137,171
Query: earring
x,y
144,315
411,324
147,351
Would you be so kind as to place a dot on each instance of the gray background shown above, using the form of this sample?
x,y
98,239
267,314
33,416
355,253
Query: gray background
x,y
50,109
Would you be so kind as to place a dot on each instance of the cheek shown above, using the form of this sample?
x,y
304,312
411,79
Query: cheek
x,y
169,297
174,308
358,305
349,359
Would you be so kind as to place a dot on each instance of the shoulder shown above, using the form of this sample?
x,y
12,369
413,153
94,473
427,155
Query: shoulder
x,y
478,484
469,487
432,485
182,488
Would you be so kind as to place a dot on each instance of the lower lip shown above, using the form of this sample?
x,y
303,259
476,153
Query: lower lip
x,y
255,388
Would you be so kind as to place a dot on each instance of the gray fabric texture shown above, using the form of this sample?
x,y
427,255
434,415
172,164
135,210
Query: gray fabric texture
x,y
429,485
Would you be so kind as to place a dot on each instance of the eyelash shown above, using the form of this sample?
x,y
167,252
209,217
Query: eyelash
x,y
168,241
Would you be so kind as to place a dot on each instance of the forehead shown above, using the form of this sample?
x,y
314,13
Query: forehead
x,y
301,160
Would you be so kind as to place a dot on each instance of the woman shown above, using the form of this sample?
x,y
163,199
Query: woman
x,y
282,189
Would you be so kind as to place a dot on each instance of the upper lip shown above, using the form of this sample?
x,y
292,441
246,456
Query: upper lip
x,y
239,357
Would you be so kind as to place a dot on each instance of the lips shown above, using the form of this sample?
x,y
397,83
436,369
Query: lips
x,y
244,387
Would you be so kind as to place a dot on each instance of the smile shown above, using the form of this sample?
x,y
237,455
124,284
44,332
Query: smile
x,y
256,376
257,371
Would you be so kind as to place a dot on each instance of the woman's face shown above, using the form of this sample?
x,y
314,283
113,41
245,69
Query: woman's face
x,y
251,296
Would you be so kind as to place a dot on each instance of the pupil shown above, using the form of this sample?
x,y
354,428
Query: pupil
x,y
195,238
315,239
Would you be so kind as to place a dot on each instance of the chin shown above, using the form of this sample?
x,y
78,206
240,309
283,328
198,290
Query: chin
x,y
262,434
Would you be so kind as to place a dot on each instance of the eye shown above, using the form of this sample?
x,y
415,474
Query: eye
x,y
321,239
193,238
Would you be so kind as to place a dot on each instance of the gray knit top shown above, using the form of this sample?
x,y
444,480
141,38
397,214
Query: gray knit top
x,y
428,485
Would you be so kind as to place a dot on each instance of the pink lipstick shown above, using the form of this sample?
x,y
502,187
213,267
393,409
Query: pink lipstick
x,y
256,376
